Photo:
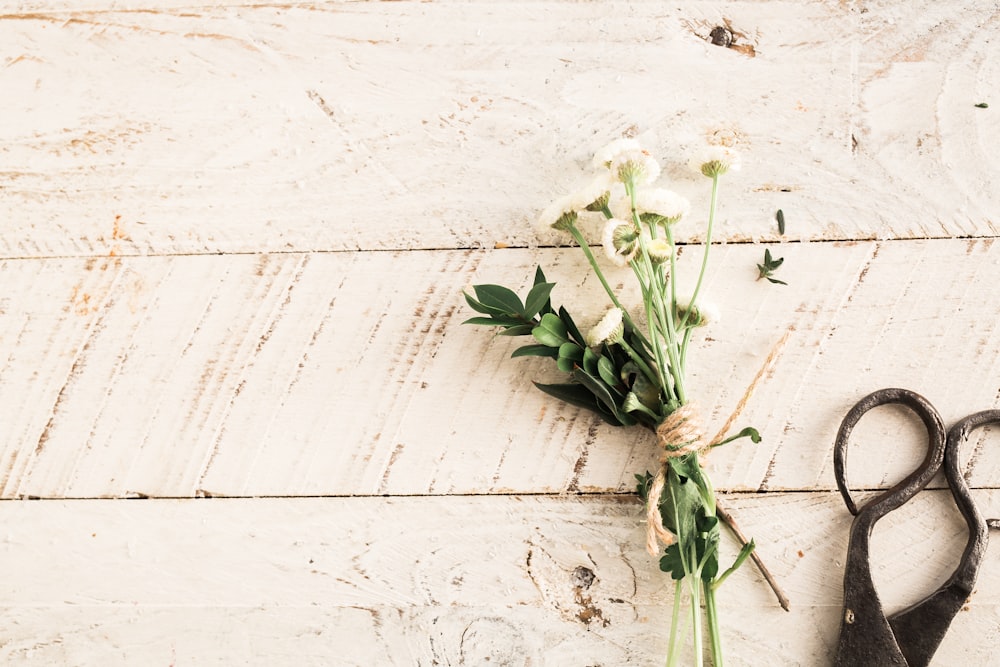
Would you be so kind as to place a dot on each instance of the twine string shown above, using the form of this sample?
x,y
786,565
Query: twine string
x,y
680,434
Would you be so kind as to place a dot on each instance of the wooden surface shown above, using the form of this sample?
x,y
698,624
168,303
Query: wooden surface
x,y
240,422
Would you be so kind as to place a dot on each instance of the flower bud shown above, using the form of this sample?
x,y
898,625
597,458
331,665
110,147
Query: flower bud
x,y
659,250
700,315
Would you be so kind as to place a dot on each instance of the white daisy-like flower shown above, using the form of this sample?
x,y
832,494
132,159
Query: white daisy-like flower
x,y
663,203
606,155
608,330
560,214
716,160
702,314
620,241
637,166
594,195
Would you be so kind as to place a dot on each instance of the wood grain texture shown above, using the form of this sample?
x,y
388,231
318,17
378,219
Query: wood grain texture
x,y
233,241
343,374
156,128
423,581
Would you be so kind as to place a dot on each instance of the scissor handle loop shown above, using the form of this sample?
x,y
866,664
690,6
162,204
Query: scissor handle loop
x,y
916,480
957,436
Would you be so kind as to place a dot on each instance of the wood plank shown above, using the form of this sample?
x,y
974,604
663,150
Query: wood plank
x,y
344,373
405,581
158,128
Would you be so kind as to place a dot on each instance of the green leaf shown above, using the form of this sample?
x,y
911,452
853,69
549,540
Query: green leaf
x,y
499,297
590,360
603,394
747,549
539,276
550,331
482,308
518,330
679,504
673,563
643,482
571,327
565,364
748,432
577,395
534,351
485,321
775,281
607,371
633,404
708,556
537,298
781,221
571,351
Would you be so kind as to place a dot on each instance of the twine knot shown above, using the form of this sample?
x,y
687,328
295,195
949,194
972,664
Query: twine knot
x,y
681,433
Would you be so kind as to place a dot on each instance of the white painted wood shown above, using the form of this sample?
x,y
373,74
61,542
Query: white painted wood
x,y
319,374
155,127
233,240
410,581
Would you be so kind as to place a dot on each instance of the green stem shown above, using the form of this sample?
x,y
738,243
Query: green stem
x,y
639,361
708,246
664,320
695,581
673,648
582,242
715,636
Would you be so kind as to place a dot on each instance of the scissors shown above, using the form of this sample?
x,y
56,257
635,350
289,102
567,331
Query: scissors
x,y
908,638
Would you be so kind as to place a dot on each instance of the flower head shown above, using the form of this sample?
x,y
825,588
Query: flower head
x,y
628,162
620,240
716,160
701,314
661,206
594,195
560,214
659,250
609,330
606,155
637,167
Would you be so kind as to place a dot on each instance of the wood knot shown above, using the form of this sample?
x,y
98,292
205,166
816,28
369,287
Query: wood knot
x,y
721,36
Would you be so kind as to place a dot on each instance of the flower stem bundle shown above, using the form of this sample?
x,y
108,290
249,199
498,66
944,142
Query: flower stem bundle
x,y
630,368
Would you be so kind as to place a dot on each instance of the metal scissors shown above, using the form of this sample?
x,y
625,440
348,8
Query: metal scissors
x,y
908,638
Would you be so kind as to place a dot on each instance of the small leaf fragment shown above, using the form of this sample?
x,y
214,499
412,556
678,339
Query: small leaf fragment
x,y
781,221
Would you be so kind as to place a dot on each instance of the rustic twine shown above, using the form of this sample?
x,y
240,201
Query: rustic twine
x,y
681,433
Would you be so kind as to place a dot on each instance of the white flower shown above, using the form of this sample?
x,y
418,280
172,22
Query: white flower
x,y
620,241
560,214
605,156
664,204
702,314
628,161
608,330
716,160
637,166
594,195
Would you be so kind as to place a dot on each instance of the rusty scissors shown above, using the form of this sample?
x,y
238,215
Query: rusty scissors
x,y
908,638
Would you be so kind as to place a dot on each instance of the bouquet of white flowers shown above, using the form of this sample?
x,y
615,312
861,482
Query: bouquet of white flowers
x,y
631,370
